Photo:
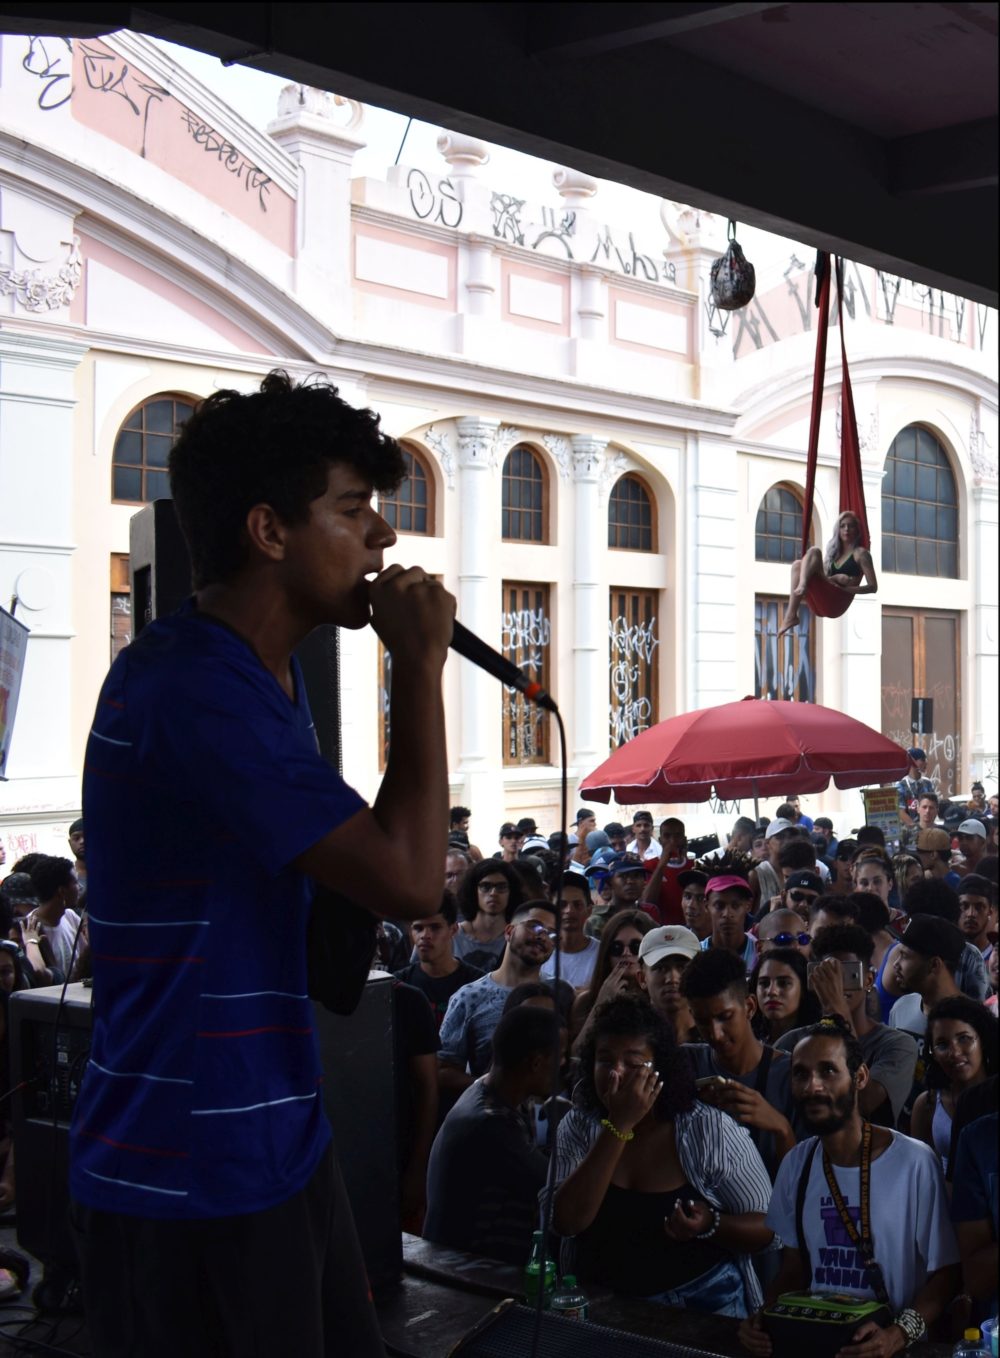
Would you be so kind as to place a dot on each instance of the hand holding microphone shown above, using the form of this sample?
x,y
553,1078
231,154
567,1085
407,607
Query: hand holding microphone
x,y
412,612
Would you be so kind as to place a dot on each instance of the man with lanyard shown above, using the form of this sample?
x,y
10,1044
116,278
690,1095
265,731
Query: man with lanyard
x,y
199,1145
860,1210
908,789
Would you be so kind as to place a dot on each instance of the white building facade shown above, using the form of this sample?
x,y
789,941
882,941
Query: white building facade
x,y
605,470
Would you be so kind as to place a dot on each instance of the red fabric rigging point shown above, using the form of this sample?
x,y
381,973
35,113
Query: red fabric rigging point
x,y
826,599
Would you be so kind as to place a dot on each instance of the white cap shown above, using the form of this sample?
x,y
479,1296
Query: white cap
x,y
670,940
776,826
972,827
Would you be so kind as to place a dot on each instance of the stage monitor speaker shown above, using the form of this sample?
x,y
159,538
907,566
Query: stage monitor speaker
x,y
49,1047
160,575
508,1330
359,1094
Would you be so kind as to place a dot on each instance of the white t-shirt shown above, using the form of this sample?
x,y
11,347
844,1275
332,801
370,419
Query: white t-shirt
x,y
653,851
575,967
911,1229
907,1013
61,938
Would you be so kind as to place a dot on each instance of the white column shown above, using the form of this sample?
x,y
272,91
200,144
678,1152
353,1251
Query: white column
x,y
712,585
857,635
590,607
479,609
983,633
37,382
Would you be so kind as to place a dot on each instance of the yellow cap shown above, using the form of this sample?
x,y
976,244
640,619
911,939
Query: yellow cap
x,y
972,1333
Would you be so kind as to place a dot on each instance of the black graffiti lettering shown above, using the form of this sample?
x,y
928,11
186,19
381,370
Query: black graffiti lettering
x,y
750,320
794,279
558,230
421,194
447,191
506,211
648,267
890,285
669,271
109,73
982,320
230,157
44,59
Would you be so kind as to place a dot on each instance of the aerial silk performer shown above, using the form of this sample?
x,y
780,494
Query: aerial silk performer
x,y
828,580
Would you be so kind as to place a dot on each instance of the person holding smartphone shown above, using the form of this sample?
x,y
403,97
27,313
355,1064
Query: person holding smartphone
x,y
841,977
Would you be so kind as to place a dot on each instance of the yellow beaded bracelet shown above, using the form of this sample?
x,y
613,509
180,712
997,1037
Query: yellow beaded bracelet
x,y
622,1136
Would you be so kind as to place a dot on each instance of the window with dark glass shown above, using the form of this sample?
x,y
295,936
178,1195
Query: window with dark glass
x,y
919,507
630,516
785,666
139,461
525,637
779,526
523,505
408,509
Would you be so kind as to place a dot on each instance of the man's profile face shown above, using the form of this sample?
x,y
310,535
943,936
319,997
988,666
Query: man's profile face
x,y
432,937
822,1086
909,969
76,844
462,825
976,914
327,559
584,826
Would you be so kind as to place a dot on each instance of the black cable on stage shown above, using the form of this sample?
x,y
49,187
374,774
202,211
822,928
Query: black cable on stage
x,y
552,1131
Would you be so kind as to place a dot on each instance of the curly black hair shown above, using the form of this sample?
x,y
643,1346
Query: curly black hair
x,y
468,888
274,447
627,1017
978,1017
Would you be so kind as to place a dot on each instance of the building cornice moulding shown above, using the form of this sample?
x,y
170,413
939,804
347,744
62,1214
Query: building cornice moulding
x,y
201,99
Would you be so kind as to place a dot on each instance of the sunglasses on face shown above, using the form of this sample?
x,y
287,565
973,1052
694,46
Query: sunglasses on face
x,y
619,947
802,897
493,886
789,940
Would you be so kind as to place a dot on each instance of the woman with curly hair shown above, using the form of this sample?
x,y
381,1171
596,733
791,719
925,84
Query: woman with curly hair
x,y
959,1051
665,1195
616,969
488,895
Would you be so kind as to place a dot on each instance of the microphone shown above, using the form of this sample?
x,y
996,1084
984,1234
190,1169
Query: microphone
x,y
467,644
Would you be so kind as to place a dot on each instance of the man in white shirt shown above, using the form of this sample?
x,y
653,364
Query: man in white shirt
x,y
577,952
58,890
913,1243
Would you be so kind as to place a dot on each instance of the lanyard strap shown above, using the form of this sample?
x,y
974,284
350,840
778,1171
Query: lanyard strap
x,y
862,1241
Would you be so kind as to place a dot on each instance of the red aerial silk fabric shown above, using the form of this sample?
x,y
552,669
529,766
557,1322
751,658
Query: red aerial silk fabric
x,y
825,599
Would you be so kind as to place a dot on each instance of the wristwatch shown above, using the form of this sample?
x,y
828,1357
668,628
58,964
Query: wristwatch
x,y
912,1324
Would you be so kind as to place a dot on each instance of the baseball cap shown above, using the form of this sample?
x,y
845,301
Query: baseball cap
x,y
671,940
624,862
728,883
526,826
972,827
929,840
776,826
915,752
18,887
573,875
601,860
975,884
933,937
810,881
534,842
508,828
585,813
613,828
691,878
596,839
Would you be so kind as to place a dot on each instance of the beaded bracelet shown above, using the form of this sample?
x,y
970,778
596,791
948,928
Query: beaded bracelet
x,y
716,1218
622,1136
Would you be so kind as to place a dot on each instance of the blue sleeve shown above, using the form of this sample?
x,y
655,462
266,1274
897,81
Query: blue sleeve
x,y
453,1031
247,752
974,1192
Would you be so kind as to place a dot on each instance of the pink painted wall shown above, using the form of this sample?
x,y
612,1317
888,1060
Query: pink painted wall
x,y
189,301
115,98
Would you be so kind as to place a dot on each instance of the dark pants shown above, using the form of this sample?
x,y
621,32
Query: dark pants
x,y
289,1280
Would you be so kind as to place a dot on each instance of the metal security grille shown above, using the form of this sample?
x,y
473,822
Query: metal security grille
x,y
139,461
525,636
632,663
630,516
919,507
408,509
523,505
779,526
785,667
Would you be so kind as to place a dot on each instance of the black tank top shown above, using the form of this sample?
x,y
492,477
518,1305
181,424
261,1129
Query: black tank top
x,y
850,567
626,1248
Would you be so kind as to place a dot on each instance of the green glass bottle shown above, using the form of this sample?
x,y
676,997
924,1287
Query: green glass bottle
x,y
539,1269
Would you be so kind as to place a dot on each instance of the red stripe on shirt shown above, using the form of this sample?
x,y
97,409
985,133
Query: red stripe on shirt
x,y
252,1032
139,1150
107,957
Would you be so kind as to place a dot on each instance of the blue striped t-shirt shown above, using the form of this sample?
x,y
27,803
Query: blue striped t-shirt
x,y
202,783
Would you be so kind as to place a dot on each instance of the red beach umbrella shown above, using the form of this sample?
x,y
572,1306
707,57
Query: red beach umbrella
x,y
754,748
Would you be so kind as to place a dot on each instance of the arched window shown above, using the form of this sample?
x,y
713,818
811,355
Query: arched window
x,y
779,526
139,461
523,515
410,508
630,516
919,507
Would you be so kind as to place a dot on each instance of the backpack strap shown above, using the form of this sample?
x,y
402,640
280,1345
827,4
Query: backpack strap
x,y
800,1202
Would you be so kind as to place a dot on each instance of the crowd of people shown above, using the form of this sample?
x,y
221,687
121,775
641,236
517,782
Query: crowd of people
x,y
727,1038
712,1039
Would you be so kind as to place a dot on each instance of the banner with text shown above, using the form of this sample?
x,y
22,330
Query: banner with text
x,y
13,647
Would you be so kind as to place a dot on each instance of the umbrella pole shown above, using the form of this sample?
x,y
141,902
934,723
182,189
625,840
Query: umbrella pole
x,y
756,808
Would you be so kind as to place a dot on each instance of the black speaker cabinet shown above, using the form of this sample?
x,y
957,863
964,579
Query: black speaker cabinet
x,y
508,1330
359,1096
49,1047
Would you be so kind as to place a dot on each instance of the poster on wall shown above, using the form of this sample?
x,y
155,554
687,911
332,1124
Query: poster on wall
x,y
13,648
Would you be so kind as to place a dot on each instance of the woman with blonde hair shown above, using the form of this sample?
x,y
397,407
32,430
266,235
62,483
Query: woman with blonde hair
x,y
846,563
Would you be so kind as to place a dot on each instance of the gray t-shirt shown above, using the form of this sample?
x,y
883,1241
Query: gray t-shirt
x,y
469,1022
890,1055
908,1014
777,1091
484,955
